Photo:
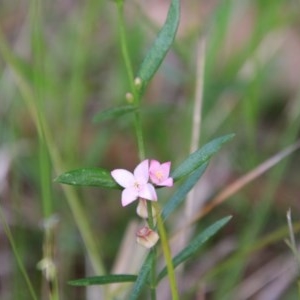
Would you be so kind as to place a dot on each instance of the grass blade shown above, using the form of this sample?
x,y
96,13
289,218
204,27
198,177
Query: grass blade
x,y
238,184
195,245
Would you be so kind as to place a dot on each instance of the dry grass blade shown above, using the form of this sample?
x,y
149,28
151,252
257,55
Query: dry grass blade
x,y
197,115
196,124
281,271
237,185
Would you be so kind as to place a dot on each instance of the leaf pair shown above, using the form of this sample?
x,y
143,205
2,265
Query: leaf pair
x,y
100,177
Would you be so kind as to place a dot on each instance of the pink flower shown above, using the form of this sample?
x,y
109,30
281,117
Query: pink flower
x,y
135,185
159,173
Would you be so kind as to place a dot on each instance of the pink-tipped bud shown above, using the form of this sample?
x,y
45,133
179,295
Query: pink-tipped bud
x,y
147,237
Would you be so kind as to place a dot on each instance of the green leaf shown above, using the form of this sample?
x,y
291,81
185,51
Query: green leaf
x,y
88,177
142,277
199,157
161,45
98,280
114,112
195,245
182,191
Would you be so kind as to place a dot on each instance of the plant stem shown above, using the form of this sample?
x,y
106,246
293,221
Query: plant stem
x,y
138,130
124,48
129,69
139,135
141,149
150,215
168,257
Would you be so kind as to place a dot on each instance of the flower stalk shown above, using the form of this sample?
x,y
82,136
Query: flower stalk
x,y
168,257
159,174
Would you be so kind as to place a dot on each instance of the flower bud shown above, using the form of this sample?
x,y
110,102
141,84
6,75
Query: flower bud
x,y
138,82
147,237
129,97
142,210
47,266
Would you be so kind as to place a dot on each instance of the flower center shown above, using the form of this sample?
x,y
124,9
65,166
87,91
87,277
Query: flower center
x,y
137,185
159,175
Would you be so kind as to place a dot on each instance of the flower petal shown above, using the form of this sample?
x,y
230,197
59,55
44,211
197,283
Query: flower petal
x,y
129,195
148,192
154,165
123,177
141,172
165,167
167,182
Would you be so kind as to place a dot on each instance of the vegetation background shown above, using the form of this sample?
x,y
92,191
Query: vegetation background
x,y
67,52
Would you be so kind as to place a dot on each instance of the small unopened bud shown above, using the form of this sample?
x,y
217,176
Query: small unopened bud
x,y
50,222
138,82
47,266
129,97
147,237
142,209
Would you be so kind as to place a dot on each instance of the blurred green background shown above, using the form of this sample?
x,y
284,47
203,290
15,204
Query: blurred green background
x,y
61,63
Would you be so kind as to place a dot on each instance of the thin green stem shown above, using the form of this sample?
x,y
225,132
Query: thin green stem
x,y
168,257
129,69
139,135
17,256
138,129
150,215
124,48
141,149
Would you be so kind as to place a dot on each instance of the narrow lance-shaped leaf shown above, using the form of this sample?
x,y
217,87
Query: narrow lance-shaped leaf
x,y
99,280
195,245
114,112
88,177
142,277
161,45
182,191
200,157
